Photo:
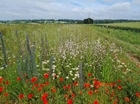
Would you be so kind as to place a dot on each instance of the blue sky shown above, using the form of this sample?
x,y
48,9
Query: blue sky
x,y
69,9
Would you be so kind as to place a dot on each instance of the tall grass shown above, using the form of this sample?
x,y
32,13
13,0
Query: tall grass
x,y
128,40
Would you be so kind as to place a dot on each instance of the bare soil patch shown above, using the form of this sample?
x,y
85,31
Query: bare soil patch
x,y
134,58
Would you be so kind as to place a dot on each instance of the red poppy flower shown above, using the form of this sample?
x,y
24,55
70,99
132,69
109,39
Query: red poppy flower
x,y
36,84
21,96
30,96
73,95
69,101
97,83
75,83
42,85
137,94
44,98
34,79
47,83
64,87
45,102
89,74
68,86
80,92
90,92
106,91
119,81
127,99
39,89
119,87
18,78
46,75
95,102
86,85
112,84
6,94
53,90
7,82
112,94
1,79
61,79
115,101
1,89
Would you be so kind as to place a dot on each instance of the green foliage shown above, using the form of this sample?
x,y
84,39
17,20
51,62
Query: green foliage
x,y
88,21
125,24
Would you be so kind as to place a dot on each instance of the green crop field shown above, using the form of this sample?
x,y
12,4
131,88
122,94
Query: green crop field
x,y
126,24
69,64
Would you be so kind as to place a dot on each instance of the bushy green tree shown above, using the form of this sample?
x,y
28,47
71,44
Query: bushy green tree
x,y
88,21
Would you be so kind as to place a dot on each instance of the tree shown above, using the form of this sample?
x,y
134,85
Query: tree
x,y
88,21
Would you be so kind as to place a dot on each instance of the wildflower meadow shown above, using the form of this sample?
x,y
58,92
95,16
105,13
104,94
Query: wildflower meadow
x,y
65,64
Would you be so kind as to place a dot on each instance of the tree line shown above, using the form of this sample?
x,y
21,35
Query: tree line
x,y
70,21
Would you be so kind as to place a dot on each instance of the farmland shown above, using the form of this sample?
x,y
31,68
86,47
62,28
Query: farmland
x,y
126,24
69,64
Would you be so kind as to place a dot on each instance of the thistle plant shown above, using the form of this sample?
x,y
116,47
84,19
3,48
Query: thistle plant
x,y
31,53
3,50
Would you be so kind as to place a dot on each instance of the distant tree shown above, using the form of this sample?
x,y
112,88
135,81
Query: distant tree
x,y
88,21
80,22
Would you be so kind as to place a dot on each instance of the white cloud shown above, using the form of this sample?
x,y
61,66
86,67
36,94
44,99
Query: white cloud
x,y
115,1
109,1
72,9
137,2
120,7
